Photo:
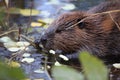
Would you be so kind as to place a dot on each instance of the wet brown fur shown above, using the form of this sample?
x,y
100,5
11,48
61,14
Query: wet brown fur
x,y
98,34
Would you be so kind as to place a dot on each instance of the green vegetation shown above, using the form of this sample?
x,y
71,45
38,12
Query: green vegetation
x,y
93,69
10,73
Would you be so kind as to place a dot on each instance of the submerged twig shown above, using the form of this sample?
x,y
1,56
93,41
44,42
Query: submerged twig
x,y
29,40
14,55
8,32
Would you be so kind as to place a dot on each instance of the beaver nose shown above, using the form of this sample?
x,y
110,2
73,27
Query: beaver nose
x,y
43,39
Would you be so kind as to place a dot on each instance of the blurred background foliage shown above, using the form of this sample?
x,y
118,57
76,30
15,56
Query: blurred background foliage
x,y
10,73
93,69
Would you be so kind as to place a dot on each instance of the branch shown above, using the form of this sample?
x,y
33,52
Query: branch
x,y
8,32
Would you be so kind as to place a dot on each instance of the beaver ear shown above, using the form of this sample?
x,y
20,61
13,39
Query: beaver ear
x,y
81,25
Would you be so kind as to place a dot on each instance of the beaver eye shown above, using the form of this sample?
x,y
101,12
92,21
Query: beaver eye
x,y
81,25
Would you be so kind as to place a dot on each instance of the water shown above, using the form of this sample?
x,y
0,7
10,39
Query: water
x,y
49,8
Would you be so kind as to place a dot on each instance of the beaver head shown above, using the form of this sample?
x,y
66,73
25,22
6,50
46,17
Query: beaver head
x,y
78,31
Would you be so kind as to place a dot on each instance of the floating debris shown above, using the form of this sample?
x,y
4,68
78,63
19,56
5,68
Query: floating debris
x,y
26,55
41,45
52,51
117,65
57,63
63,57
28,60
10,44
13,49
30,49
22,44
34,24
39,71
22,48
46,20
5,39
48,67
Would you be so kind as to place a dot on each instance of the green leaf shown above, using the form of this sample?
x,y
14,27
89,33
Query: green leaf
x,y
66,73
29,12
10,73
24,12
93,67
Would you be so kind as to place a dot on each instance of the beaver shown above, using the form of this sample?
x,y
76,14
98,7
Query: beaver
x,y
95,31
